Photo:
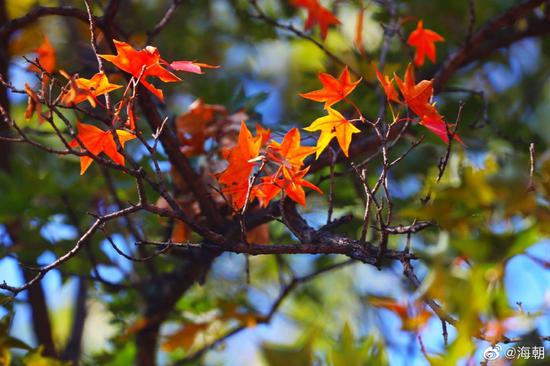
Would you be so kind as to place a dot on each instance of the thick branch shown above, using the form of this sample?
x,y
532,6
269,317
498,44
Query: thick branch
x,y
41,323
74,346
38,12
335,244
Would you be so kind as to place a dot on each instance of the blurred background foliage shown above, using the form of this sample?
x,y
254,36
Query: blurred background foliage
x,y
486,262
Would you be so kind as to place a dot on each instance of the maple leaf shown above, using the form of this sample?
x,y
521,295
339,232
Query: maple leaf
x,y
240,166
45,53
184,337
191,66
263,133
317,14
409,321
387,85
418,97
34,105
193,126
435,123
82,89
145,62
333,125
423,40
291,183
334,90
287,156
96,140
289,153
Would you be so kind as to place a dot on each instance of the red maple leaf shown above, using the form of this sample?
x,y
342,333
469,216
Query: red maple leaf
x,y
417,96
96,141
435,123
147,62
418,99
191,66
317,14
334,90
423,40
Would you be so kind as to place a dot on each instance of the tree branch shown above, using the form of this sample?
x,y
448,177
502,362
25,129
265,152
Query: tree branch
x,y
475,44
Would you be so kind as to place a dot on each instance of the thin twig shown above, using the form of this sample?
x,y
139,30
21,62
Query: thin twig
x,y
531,184
91,20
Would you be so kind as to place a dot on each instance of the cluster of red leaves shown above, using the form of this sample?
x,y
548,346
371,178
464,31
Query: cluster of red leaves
x,y
333,125
281,164
273,168
140,64
417,97
317,14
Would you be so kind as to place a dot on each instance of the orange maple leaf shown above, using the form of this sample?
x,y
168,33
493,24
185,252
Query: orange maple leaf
x,y
289,153
317,14
34,105
82,89
184,337
45,53
149,62
423,40
194,126
333,125
96,140
334,90
240,166
412,318
418,98
145,62
291,183
387,85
